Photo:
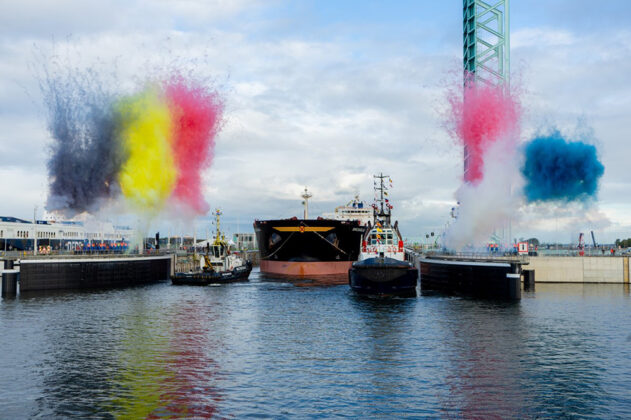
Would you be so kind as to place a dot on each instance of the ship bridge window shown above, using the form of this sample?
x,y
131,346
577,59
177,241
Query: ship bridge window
x,y
378,238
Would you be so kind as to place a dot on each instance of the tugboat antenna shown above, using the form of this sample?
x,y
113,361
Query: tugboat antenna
x,y
306,196
217,238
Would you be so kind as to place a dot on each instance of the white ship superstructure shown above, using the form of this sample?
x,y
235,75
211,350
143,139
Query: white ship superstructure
x,y
383,241
353,210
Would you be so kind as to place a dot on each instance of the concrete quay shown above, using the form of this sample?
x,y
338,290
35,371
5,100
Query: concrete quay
x,y
588,269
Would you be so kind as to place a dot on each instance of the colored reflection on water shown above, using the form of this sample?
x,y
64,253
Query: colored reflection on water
x,y
142,357
287,348
166,371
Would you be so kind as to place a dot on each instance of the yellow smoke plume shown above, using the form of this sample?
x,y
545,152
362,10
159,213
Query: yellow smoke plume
x,y
148,176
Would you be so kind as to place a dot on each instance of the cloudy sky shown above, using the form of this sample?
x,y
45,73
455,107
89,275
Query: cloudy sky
x,y
325,94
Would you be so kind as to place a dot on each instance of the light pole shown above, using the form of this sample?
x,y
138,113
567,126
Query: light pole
x,y
35,230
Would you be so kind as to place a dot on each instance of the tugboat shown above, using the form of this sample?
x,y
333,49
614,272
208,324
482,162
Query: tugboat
x,y
381,268
218,265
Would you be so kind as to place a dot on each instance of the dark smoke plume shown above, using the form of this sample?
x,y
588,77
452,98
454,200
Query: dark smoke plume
x,y
85,159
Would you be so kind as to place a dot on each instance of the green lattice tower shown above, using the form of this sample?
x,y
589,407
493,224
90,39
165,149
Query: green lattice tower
x,y
486,53
486,47
486,41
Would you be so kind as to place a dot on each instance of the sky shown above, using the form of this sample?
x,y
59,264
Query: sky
x,y
325,94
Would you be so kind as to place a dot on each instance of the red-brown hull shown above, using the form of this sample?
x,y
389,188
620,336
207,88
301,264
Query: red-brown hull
x,y
305,269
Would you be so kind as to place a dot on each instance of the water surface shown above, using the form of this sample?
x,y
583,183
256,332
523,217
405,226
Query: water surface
x,y
274,348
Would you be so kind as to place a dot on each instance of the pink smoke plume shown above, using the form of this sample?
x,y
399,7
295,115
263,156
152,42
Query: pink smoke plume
x,y
479,117
197,114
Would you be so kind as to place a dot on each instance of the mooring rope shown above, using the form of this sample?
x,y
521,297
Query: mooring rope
x,y
281,245
324,239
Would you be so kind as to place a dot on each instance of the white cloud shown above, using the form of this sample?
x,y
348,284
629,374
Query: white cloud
x,y
325,113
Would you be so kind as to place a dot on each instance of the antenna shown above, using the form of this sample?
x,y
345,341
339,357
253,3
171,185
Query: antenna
x,y
381,189
306,196
218,237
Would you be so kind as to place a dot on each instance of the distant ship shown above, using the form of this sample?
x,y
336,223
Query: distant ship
x,y
326,245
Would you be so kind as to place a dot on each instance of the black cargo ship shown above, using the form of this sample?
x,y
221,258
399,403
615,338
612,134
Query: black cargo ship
x,y
313,247
309,247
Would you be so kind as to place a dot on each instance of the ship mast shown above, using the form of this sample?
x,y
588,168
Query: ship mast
x,y
306,196
218,235
382,190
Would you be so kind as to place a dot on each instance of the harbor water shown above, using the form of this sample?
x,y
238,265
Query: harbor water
x,y
277,348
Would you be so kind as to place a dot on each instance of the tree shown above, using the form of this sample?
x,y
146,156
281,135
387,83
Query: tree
x,y
623,243
533,241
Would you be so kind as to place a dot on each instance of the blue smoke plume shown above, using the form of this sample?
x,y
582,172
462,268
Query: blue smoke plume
x,y
556,169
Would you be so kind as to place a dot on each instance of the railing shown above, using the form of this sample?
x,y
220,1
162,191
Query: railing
x,y
478,256
71,254
513,257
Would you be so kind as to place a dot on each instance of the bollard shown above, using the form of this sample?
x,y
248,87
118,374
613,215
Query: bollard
x,y
9,283
8,264
529,279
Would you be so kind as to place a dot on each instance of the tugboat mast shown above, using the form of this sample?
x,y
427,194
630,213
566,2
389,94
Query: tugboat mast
x,y
218,236
381,188
306,196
